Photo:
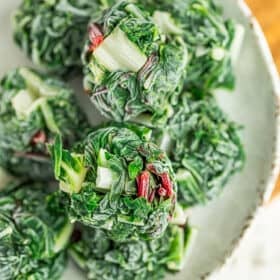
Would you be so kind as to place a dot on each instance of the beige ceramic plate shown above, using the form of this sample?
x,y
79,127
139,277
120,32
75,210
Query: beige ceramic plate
x,y
255,104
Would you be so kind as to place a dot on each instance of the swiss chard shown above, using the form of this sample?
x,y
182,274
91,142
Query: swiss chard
x,y
213,43
52,33
34,233
112,181
33,110
105,259
131,68
204,147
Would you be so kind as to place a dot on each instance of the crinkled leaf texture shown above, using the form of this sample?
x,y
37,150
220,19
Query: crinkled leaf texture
x,y
204,147
104,259
52,33
33,109
209,38
131,205
34,232
134,71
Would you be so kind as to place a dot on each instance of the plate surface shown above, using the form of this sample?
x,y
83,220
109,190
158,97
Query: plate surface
x,y
254,104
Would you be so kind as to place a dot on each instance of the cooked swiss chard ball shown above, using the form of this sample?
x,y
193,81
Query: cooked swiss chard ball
x,y
33,110
132,70
117,181
34,233
213,42
204,147
104,259
52,32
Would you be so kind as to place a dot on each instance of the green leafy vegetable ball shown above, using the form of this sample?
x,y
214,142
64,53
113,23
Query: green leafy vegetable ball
x,y
33,109
104,259
34,233
132,70
204,147
52,32
117,181
213,42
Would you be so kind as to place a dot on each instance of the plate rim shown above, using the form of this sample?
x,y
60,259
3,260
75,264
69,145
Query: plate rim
x,y
269,182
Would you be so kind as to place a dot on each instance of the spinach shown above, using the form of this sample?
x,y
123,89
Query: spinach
x,y
105,259
33,109
131,69
117,181
211,41
34,233
204,147
52,33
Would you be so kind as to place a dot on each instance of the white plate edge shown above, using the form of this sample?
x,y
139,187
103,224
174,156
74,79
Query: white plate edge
x,y
271,181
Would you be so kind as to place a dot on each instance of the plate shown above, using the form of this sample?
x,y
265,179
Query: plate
x,y
254,104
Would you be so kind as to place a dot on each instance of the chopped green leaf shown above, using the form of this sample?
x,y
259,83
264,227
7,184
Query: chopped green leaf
x,y
112,180
33,110
132,69
34,233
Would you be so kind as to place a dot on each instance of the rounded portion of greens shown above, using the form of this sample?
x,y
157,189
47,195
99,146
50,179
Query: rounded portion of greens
x,y
33,109
34,232
204,148
52,33
132,70
210,39
117,181
23,268
104,259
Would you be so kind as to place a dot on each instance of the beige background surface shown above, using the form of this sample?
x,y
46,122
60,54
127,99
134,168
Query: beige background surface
x,y
268,14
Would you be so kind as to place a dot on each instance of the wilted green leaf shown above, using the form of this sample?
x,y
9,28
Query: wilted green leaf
x,y
120,190
204,147
33,233
52,33
105,259
33,110
132,69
